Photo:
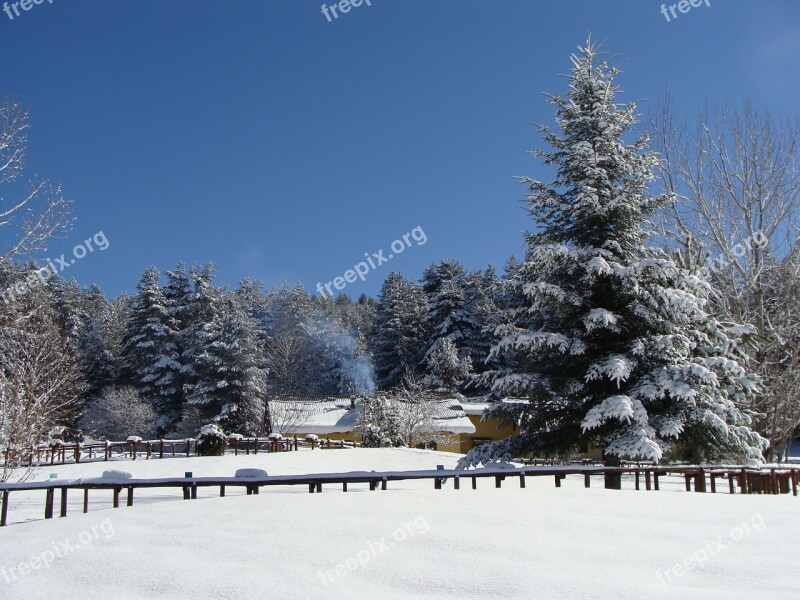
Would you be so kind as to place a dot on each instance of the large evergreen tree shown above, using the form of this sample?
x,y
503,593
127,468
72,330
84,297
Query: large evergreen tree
x,y
96,347
149,360
229,384
615,345
398,341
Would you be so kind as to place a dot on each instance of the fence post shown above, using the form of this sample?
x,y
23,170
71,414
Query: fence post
x,y
700,481
85,500
63,502
48,504
4,513
130,495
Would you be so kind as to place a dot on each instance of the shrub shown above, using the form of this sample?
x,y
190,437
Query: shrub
x,y
211,441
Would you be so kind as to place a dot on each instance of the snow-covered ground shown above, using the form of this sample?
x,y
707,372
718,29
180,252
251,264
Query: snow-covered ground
x,y
410,541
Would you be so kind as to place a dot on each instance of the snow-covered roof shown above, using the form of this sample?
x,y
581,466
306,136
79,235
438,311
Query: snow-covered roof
x,y
326,415
478,406
319,415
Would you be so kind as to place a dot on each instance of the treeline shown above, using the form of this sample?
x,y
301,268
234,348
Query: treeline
x,y
183,351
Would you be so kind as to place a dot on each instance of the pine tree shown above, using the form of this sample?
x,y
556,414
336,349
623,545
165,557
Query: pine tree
x,y
399,337
96,347
199,314
149,359
614,346
446,367
229,384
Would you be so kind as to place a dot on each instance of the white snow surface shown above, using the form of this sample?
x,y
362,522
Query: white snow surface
x,y
413,541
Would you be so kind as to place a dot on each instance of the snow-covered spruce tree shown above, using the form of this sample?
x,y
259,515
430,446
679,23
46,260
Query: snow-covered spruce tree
x,y
615,347
399,335
149,359
96,344
447,370
229,384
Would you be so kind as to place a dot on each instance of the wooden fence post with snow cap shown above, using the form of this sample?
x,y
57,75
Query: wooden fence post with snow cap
x,y
4,511
700,480
48,503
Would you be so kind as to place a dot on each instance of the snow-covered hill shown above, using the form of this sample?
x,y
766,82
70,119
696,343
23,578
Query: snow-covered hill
x,y
410,541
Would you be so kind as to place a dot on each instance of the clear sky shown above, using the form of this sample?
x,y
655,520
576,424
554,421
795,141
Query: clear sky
x,y
282,146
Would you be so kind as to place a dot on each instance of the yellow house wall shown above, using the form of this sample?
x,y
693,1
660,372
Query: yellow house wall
x,y
489,429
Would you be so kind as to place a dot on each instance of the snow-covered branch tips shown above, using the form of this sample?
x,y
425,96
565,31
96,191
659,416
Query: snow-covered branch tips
x,y
37,277
373,261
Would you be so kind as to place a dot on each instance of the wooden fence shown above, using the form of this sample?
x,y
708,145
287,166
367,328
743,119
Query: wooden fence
x,y
701,478
75,452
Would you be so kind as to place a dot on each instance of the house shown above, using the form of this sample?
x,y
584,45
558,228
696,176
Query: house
x,y
337,418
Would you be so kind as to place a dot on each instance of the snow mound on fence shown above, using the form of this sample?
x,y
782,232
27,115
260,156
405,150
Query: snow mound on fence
x,y
251,473
116,474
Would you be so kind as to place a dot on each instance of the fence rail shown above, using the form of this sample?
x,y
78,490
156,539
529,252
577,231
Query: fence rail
x,y
75,452
748,480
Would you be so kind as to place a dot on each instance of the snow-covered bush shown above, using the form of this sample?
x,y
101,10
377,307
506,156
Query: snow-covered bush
x,y
211,441
119,412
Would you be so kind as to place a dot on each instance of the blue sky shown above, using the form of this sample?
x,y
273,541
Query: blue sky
x,y
282,147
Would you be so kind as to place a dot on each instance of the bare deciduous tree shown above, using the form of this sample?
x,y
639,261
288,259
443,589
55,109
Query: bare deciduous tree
x,y
37,378
409,417
40,211
285,415
737,179
118,413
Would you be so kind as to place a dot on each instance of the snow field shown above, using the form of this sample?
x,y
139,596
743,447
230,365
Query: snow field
x,y
410,541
